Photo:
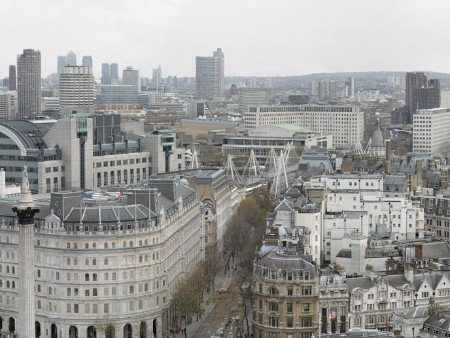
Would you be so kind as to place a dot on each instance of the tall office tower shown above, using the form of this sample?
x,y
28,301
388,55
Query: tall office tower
x,y
413,81
87,61
327,90
219,58
29,83
71,59
12,80
62,62
421,94
253,97
106,74
115,74
157,77
350,88
209,74
130,77
430,96
314,88
76,90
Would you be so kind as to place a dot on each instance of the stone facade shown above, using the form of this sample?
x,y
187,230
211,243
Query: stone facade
x,y
285,288
105,264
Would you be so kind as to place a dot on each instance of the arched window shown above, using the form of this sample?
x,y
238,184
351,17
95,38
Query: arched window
x,y
86,261
86,277
39,288
94,277
13,270
75,262
86,245
131,244
106,261
113,245
94,245
140,259
140,243
39,271
94,262
105,245
13,284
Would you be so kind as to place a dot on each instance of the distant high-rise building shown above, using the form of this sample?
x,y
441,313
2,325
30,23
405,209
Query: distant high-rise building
x,y
327,90
396,81
62,62
350,88
106,74
8,102
29,84
76,90
87,61
314,88
253,97
209,75
413,81
157,77
71,59
430,96
12,80
130,77
421,94
115,74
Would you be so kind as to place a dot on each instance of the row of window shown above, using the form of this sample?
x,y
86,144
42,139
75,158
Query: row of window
x,y
303,321
305,290
54,169
275,306
121,162
95,308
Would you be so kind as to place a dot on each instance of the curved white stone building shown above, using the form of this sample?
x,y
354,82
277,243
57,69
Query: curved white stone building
x,y
104,270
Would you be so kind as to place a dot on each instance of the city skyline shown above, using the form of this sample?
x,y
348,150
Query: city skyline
x,y
258,38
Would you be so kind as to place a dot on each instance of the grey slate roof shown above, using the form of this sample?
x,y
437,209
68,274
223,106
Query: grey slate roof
x,y
287,262
441,323
435,250
397,281
364,283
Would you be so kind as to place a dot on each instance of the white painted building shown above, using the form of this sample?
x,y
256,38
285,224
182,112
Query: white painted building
x,y
430,131
344,123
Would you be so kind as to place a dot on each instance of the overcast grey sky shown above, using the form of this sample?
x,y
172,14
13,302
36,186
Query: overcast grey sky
x,y
258,37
